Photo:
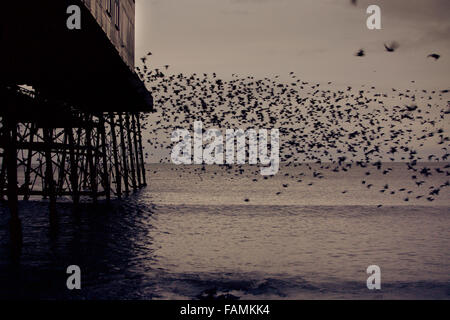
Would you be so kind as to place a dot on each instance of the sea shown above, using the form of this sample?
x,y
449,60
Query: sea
x,y
227,232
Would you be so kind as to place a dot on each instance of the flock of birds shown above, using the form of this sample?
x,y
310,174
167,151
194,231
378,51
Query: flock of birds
x,y
322,127
335,129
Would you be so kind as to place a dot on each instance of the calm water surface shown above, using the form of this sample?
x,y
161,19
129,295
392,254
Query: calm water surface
x,y
193,230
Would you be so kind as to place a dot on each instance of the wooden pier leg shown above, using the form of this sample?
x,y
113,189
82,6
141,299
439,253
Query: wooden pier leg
x,y
106,185
73,167
80,159
3,175
3,136
136,150
115,156
144,179
124,155
42,176
130,149
90,161
49,181
26,195
10,136
97,153
62,167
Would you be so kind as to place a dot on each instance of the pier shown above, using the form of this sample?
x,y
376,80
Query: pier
x,y
70,104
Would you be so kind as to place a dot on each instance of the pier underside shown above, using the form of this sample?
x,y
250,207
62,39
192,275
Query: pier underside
x,y
64,153
76,136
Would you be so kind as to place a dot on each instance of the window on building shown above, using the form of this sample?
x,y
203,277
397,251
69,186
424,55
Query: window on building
x,y
117,14
109,7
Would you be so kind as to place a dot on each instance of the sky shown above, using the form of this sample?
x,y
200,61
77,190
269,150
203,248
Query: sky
x,y
317,39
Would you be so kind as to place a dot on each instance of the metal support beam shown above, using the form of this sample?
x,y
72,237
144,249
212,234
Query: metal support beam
x,y
29,159
49,181
136,150
10,157
144,179
62,167
130,150
124,155
73,167
105,171
92,172
115,152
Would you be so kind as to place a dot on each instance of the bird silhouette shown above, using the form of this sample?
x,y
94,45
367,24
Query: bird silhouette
x,y
360,53
392,47
435,56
